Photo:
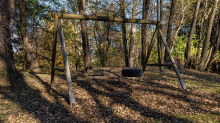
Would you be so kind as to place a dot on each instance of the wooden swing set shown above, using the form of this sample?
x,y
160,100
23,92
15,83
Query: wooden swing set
x,y
58,29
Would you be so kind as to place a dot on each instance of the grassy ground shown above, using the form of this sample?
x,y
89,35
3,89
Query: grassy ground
x,y
27,97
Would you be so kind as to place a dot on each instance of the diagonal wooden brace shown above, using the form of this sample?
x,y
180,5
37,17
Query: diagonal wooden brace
x,y
150,48
66,64
173,61
54,49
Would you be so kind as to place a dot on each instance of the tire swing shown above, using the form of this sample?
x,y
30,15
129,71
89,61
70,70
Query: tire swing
x,y
132,72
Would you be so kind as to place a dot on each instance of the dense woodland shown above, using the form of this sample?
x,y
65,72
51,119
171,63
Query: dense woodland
x,y
191,28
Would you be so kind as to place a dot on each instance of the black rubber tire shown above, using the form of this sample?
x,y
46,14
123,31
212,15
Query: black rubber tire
x,y
133,72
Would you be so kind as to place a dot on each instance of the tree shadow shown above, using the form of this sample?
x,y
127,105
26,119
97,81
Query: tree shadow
x,y
121,98
217,98
194,78
194,103
202,76
49,89
31,100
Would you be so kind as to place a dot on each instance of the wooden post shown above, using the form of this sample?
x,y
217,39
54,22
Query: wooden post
x,y
173,61
54,49
66,64
151,46
149,49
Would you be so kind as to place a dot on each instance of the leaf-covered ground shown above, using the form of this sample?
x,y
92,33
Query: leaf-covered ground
x,y
28,97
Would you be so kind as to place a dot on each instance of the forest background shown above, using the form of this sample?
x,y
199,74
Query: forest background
x,y
191,28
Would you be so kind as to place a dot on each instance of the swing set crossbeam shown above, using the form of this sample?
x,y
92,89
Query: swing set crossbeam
x,y
103,18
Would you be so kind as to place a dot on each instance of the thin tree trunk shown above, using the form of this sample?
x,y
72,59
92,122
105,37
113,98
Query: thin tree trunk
x,y
174,38
136,53
206,43
75,9
169,30
85,42
11,8
11,14
161,43
209,56
133,31
198,51
29,52
109,42
215,45
158,37
123,26
188,47
100,43
146,4
200,38
6,59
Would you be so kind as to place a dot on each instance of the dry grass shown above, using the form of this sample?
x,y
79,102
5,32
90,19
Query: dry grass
x,y
27,97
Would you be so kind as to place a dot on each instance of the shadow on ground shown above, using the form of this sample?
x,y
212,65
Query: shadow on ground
x,y
118,89
31,101
120,98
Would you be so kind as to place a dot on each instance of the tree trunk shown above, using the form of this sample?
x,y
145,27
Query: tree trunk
x,y
85,42
29,52
133,31
169,30
74,8
146,4
161,43
215,45
11,8
6,59
158,37
188,47
174,38
209,56
109,42
123,26
198,50
206,43
200,37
